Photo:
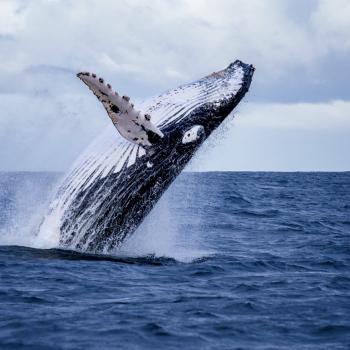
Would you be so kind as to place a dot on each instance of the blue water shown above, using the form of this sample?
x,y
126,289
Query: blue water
x,y
226,261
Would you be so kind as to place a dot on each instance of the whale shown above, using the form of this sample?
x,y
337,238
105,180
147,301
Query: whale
x,y
119,178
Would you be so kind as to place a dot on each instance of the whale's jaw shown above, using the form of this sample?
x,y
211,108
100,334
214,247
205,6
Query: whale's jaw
x,y
115,184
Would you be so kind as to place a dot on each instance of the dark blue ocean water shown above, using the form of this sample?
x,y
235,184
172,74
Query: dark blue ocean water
x,y
226,261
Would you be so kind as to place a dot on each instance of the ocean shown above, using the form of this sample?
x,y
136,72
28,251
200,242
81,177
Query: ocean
x,y
227,260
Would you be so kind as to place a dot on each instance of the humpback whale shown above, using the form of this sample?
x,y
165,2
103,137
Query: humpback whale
x,y
120,177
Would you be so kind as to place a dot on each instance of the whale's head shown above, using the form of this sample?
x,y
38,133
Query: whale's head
x,y
188,114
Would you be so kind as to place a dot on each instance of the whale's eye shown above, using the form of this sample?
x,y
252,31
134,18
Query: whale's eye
x,y
193,134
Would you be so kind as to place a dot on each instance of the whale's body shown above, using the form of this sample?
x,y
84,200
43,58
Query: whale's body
x,y
115,183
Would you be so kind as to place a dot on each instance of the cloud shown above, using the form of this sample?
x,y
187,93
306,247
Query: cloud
x,y
12,19
298,116
112,65
38,132
147,40
300,49
331,25
281,137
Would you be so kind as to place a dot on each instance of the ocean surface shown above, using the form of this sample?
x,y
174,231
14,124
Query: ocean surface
x,y
225,261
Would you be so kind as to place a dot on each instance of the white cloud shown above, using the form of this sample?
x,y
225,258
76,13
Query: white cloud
x,y
331,24
143,47
111,65
281,137
42,133
190,37
11,18
305,116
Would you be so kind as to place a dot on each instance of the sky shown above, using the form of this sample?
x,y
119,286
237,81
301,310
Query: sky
x,y
296,116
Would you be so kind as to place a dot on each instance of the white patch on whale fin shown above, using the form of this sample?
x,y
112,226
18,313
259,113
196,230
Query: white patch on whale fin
x,y
133,125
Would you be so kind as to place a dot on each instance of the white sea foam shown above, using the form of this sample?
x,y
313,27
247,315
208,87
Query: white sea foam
x,y
48,234
158,236
161,237
30,201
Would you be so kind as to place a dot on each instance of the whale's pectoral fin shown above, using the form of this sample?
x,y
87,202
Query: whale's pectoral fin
x,y
133,125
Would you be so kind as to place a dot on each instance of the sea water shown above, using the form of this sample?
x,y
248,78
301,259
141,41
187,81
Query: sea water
x,y
225,261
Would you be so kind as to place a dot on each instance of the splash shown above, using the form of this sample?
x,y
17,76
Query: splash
x,y
48,232
24,198
159,236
